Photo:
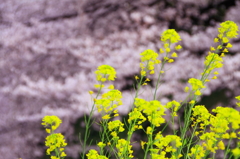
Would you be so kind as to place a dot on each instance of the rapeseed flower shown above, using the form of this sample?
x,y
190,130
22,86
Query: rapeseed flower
x,y
212,61
228,29
148,61
93,154
51,123
236,153
109,101
105,72
124,148
54,142
209,141
238,103
169,143
153,109
136,117
197,152
197,85
116,125
170,36
227,116
201,115
174,106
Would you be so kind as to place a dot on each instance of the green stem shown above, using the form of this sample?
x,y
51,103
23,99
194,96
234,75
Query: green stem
x,y
158,80
227,150
88,124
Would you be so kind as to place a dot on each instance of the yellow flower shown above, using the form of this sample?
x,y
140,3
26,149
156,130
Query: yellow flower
x,y
233,135
63,154
229,45
196,84
212,48
198,93
111,87
170,60
186,89
229,29
225,40
236,152
174,54
93,154
170,36
109,101
178,47
216,40
115,125
105,72
168,50
149,130
161,51
142,144
101,144
214,77
98,85
151,72
192,102
54,142
90,92
221,145
107,116
225,50
51,122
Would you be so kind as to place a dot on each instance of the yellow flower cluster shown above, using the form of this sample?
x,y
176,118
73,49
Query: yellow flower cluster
x,y
197,85
201,133
55,141
105,72
227,30
136,117
153,109
200,116
223,125
212,61
148,60
109,101
164,145
236,152
238,103
51,123
197,152
115,127
209,141
225,118
123,146
174,106
93,154
170,36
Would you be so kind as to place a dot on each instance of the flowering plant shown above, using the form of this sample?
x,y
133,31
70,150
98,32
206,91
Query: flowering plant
x,y
200,135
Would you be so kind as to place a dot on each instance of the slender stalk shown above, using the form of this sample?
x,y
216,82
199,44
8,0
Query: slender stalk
x,y
158,80
227,150
88,124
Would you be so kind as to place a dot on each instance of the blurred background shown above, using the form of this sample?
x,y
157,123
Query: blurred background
x,y
49,50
